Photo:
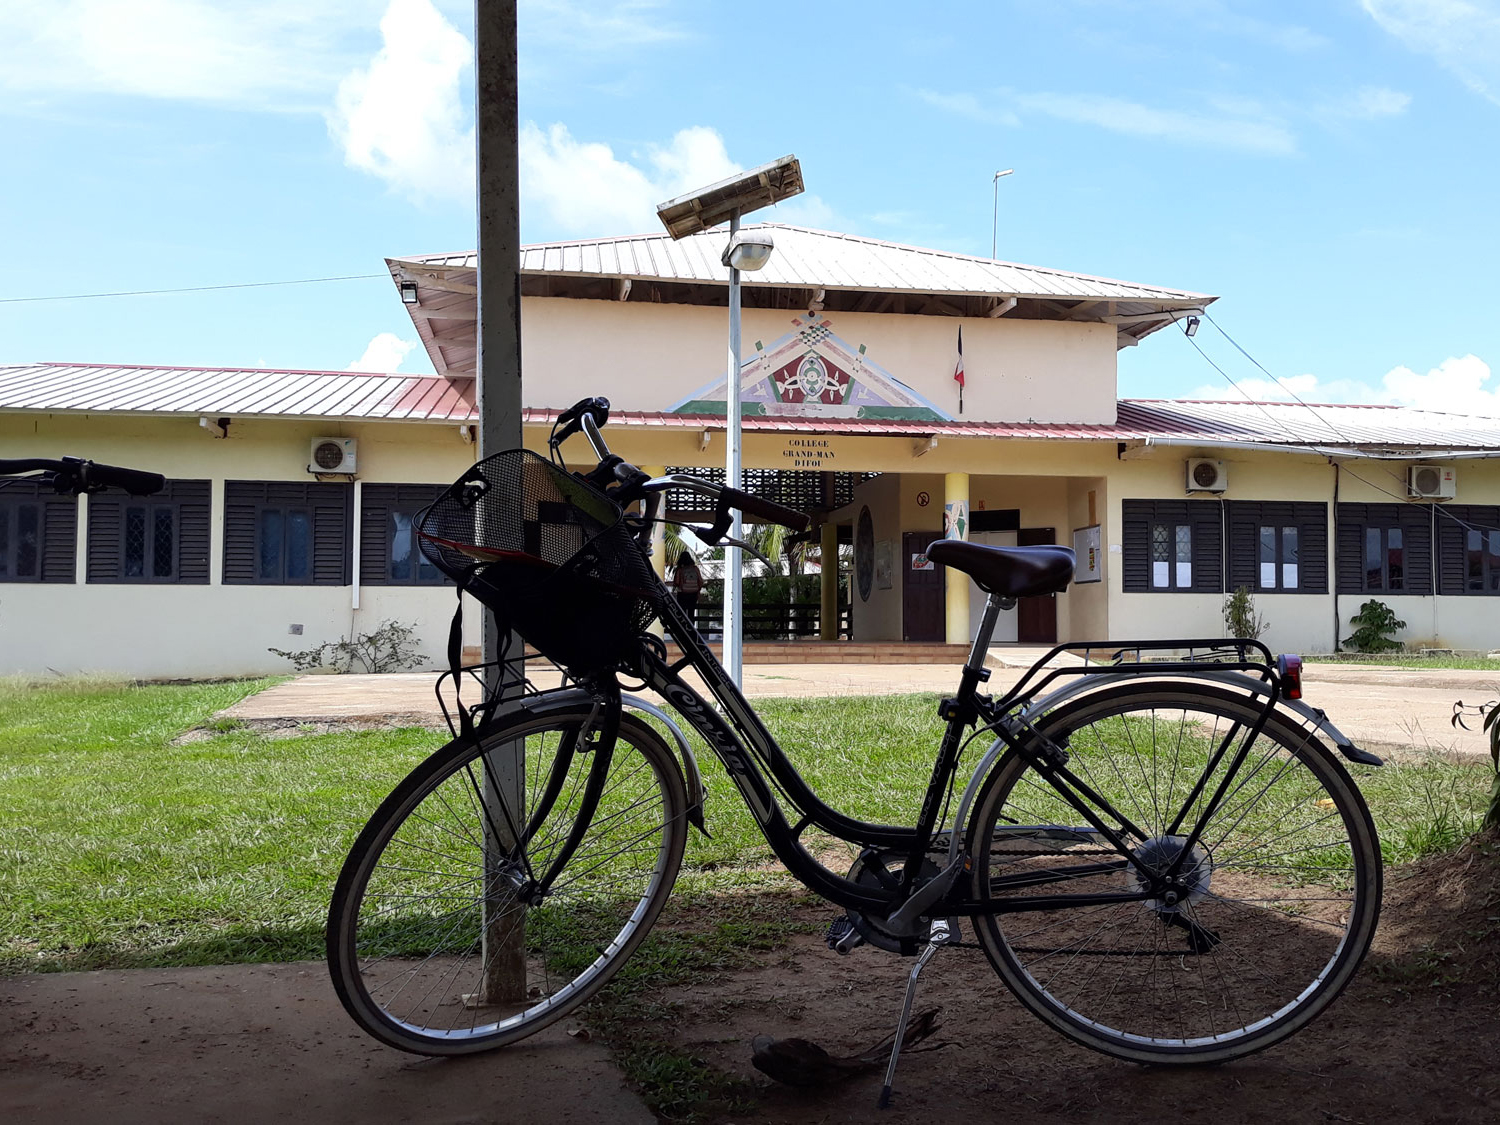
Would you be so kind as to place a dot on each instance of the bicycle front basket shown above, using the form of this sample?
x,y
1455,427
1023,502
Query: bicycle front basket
x,y
549,553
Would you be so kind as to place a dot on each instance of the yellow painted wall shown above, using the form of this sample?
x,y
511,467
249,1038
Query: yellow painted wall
x,y
648,357
217,630
214,630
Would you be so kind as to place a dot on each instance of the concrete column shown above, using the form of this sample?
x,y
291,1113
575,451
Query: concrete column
x,y
659,532
828,622
658,542
956,526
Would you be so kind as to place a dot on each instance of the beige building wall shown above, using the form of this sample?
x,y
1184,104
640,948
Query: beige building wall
x,y
214,630
192,631
649,357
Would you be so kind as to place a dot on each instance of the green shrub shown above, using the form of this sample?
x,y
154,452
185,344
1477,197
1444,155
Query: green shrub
x,y
1240,618
1374,624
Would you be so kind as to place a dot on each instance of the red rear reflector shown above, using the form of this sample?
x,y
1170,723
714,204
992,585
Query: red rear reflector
x,y
1289,666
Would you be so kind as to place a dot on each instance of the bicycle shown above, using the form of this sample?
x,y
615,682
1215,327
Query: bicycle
x,y
1163,804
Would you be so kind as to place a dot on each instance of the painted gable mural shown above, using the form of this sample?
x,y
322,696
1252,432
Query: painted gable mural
x,y
810,372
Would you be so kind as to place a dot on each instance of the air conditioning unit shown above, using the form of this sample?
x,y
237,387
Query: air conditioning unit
x,y
1431,482
1206,475
331,455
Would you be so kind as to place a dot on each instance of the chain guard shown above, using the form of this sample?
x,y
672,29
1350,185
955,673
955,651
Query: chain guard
x,y
881,870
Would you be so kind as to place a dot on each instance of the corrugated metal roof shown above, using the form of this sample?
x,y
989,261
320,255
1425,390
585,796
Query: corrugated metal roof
x,y
103,388
819,259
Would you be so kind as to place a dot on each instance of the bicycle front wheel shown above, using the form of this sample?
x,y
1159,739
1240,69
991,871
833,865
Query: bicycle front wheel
x,y
479,906
1271,911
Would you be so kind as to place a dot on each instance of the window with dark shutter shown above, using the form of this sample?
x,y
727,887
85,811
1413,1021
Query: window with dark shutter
x,y
1468,549
1384,549
1172,546
290,533
38,534
161,538
1278,546
388,550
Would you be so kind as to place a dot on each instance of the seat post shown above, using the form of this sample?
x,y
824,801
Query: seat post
x,y
986,630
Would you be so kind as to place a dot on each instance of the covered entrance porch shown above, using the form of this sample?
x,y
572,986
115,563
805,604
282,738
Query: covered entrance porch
x,y
879,494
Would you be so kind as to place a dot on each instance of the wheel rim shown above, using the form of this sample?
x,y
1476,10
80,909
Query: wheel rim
x,y
1267,917
433,945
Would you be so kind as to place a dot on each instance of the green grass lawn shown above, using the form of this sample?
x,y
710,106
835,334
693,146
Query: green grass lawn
x,y
120,846
1406,660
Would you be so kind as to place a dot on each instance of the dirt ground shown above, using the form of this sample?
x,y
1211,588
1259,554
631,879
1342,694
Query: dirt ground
x,y
1413,1039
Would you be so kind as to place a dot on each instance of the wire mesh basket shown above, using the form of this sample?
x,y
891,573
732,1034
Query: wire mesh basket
x,y
549,553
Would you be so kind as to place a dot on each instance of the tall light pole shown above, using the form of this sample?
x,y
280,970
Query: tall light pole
x,y
702,210
995,226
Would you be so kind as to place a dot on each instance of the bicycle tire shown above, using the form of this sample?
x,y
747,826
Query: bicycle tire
x,y
425,885
1284,884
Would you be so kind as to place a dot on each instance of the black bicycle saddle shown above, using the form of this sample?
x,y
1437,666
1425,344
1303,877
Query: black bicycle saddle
x,y
1007,572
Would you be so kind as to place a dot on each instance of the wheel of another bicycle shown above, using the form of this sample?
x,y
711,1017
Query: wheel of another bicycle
x,y
445,939
1276,904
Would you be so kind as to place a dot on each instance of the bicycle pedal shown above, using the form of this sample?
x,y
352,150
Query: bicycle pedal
x,y
842,936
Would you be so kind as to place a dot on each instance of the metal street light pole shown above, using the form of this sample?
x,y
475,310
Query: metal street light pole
x,y
995,227
703,210
734,578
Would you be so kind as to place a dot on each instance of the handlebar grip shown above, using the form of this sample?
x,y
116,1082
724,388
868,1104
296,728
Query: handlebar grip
x,y
755,506
133,481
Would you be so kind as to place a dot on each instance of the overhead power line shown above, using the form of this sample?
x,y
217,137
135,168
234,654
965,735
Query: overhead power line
x,y
191,289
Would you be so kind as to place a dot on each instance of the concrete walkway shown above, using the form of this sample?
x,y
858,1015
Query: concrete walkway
x,y
1386,708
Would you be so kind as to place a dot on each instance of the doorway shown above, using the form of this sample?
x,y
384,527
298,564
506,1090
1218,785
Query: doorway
x,y
922,598
1036,618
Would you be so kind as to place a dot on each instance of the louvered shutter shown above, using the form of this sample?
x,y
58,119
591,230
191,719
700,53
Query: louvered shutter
x,y
194,517
1135,545
242,500
105,517
376,501
332,523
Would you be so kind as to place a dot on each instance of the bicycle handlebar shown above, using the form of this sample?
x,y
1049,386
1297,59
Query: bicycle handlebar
x,y
76,475
582,416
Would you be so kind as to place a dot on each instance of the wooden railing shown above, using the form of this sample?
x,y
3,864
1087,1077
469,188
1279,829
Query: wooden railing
x,y
787,621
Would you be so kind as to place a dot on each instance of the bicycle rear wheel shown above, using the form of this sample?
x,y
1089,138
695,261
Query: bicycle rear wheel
x,y
444,937
1275,906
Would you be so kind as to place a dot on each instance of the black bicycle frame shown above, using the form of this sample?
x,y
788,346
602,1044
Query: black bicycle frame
x,y
750,754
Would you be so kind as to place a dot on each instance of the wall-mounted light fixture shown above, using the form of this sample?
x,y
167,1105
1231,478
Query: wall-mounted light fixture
x,y
1190,327
408,292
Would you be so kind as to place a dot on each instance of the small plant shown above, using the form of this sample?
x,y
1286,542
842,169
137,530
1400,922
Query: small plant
x,y
1490,713
1374,625
390,648
1240,618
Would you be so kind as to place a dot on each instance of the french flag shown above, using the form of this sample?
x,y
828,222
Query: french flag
x,y
958,369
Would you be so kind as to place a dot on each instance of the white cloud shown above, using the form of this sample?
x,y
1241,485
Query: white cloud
x,y
970,106
1462,35
384,353
402,118
597,26
273,54
1242,125
580,188
1458,385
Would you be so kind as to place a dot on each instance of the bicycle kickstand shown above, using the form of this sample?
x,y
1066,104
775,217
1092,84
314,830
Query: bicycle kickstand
x,y
939,937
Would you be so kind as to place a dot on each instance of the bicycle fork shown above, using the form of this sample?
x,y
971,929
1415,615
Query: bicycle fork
x,y
938,937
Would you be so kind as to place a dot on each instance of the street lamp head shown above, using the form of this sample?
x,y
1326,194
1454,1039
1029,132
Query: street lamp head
x,y
748,250
738,195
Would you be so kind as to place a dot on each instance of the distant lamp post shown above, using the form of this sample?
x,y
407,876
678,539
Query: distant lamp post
x,y
726,201
995,226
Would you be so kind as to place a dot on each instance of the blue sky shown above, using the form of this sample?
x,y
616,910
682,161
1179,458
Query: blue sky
x,y
1327,168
